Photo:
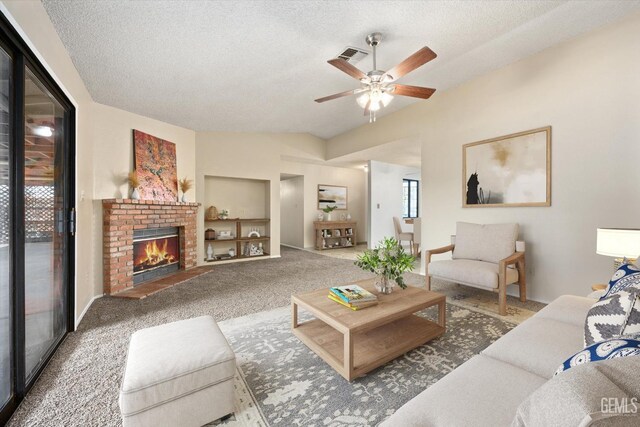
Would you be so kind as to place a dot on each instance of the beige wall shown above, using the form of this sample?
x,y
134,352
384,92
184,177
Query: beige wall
x,y
587,89
265,156
314,174
112,140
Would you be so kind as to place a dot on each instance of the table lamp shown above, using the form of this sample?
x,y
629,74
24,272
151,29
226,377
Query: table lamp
x,y
619,243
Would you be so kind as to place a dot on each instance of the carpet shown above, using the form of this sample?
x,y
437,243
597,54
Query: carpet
x,y
79,387
291,386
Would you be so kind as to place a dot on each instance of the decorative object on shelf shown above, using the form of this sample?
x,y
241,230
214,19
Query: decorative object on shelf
x,y
251,249
324,243
348,217
253,233
332,195
320,216
511,170
388,261
336,233
343,217
327,210
225,235
155,163
185,185
134,183
224,214
232,252
209,252
210,234
618,243
212,214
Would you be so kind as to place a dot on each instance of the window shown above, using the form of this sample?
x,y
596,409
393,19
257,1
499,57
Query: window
x,y
410,188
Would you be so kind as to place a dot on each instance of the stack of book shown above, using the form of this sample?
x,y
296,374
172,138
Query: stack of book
x,y
352,296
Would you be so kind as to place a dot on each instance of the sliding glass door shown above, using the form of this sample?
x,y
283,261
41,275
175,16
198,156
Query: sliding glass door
x,y
36,218
44,222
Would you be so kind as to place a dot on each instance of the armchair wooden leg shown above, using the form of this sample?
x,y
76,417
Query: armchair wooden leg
x,y
502,300
522,281
502,289
427,281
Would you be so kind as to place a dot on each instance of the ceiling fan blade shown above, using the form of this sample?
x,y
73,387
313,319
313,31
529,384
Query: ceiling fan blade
x,y
414,91
337,95
416,60
344,66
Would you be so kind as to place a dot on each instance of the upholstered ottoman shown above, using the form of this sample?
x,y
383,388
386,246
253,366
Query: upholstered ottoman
x,y
178,374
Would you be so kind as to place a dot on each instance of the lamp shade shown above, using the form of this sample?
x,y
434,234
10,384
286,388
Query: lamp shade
x,y
618,242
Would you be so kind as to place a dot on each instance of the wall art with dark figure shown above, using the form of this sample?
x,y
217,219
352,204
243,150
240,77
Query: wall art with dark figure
x,y
155,161
332,195
511,170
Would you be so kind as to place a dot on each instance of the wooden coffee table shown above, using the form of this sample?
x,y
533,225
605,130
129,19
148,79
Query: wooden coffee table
x,y
356,342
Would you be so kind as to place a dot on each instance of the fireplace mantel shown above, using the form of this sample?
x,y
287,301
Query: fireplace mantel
x,y
122,216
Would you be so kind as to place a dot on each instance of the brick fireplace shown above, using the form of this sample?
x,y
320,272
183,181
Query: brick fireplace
x,y
123,217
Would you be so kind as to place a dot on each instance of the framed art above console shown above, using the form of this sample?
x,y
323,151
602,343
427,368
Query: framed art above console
x,y
332,195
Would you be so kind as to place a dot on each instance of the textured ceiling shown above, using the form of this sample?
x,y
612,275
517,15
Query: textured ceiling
x,y
258,66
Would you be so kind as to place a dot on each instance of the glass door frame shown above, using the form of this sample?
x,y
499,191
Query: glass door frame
x,y
22,57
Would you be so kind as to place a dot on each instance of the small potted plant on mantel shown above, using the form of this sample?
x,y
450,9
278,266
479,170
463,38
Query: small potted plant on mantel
x,y
328,209
388,261
185,185
134,183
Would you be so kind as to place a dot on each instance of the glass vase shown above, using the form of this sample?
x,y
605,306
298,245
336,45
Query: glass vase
x,y
384,285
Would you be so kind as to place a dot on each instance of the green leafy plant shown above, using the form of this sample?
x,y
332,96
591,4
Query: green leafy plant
x,y
329,209
388,259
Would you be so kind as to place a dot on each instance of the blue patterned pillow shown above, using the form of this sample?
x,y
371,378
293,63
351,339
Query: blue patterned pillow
x,y
609,349
627,275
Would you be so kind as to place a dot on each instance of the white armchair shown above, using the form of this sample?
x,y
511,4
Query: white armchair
x,y
483,256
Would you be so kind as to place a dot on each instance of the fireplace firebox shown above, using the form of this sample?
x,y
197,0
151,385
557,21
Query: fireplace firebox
x,y
156,253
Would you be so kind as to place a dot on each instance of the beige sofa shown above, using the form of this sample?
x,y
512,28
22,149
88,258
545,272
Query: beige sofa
x,y
511,380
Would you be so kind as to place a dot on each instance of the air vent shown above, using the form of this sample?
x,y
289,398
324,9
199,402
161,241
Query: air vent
x,y
353,54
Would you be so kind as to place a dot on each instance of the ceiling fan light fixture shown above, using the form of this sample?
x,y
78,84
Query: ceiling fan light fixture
x,y
363,99
386,98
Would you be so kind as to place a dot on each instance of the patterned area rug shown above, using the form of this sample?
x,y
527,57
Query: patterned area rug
x,y
281,382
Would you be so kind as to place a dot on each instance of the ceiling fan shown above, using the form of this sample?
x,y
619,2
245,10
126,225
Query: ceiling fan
x,y
378,86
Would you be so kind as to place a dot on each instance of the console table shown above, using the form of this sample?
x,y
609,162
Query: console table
x,y
335,234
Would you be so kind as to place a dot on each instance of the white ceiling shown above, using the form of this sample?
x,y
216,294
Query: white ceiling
x,y
258,65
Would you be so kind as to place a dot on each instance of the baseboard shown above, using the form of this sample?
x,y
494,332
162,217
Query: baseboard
x,y
275,256
290,246
79,319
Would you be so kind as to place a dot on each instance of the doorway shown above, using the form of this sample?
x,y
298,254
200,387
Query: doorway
x,y
292,210
36,218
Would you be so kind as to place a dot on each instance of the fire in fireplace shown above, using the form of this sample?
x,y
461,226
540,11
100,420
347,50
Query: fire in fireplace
x,y
156,252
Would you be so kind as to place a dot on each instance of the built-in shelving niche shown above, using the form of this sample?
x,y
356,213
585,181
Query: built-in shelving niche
x,y
248,203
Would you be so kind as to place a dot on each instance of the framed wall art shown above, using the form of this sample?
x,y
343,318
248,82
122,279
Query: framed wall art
x,y
332,195
155,162
511,170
